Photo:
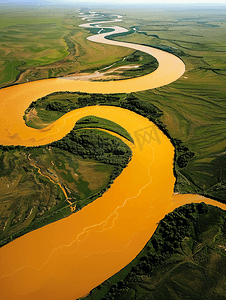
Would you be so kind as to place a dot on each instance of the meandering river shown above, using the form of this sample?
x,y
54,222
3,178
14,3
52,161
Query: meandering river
x,y
68,258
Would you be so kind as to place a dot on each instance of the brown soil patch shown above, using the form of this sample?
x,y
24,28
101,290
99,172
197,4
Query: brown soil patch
x,y
32,114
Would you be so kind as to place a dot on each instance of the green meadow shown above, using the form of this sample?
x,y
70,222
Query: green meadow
x,y
46,42
194,109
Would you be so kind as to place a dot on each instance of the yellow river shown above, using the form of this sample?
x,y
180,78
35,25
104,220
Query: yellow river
x,y
68,258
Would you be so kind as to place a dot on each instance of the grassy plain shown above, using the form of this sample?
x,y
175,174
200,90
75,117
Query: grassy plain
x,y
30,192
44,43
134,65
193,107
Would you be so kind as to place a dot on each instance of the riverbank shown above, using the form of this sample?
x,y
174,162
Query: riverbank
x,y
187,240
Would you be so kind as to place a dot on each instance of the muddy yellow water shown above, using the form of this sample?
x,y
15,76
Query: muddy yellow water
x,y
66,259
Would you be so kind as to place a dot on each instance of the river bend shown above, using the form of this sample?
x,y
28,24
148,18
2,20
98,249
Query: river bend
x,y
68,258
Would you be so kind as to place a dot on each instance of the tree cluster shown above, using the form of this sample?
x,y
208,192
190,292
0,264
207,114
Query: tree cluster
x,y
143,108
95,144
184,155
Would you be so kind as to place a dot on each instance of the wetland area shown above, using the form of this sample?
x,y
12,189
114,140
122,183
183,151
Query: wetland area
x,y
144,143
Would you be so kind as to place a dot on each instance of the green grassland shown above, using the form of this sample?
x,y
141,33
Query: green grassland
x,y
139,64
196,114
193,107
46,43
95,122
38,44
185,259
36,183
29,38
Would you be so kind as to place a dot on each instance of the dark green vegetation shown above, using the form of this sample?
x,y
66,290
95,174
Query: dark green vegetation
x,y
48,109
97,30
95,122
42,184
136,64
96,144
146,63
184,259
53,106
